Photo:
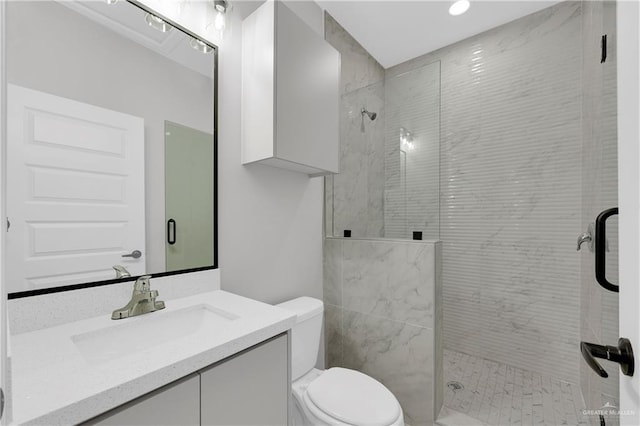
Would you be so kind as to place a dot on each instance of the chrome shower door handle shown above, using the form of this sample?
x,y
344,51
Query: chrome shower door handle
x,y
136,254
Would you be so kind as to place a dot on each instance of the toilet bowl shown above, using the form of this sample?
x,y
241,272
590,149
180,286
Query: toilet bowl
x,y
336,396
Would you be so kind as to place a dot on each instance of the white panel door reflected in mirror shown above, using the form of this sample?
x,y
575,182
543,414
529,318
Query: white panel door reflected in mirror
x,y
76,198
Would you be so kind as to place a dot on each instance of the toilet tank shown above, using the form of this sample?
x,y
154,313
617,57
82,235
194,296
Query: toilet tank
x,y
305,334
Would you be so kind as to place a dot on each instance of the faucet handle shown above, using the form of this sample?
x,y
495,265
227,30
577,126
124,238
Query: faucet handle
x,y
142,284
121,271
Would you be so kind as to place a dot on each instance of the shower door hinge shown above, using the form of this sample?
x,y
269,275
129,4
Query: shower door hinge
x,y
8,224
603,47
1,403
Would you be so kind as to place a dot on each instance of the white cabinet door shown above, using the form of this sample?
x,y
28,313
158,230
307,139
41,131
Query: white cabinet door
x,y
251,388
75,191
290,93
175,404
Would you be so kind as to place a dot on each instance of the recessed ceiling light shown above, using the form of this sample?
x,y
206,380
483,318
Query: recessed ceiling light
x,y
459,7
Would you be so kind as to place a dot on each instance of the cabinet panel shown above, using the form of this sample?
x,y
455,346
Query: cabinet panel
x,y
308,94
251,388
175,404
258,84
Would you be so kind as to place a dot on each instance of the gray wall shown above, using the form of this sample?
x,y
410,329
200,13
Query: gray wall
x,y
55,50
511,191
270,220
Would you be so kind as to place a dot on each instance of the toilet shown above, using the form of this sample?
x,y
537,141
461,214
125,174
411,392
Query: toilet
x,y
337,396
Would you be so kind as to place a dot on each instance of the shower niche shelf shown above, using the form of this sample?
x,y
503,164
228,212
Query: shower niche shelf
x,y
290,93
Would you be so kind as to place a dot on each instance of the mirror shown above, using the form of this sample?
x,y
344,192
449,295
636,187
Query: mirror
x,y
110,146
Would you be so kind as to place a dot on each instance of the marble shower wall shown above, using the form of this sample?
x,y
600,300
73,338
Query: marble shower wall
x,y
511,191
599,307
383,317
354,198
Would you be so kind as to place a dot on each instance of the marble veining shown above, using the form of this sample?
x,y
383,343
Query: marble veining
x,y
386,322
389,280
358,188
354,198
358,68
397,354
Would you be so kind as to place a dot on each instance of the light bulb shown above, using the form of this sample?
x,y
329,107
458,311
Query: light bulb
x,y
459,7
157,23
200,46
219,22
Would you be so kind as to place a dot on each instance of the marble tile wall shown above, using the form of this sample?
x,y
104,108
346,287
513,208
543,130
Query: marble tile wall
x,y
382,317
599,307
511,191
354,198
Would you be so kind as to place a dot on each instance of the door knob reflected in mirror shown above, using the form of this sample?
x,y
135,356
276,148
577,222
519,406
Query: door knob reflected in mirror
x,y
623,355
136,254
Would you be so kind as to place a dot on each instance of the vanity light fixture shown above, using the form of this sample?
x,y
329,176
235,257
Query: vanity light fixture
x,y
221,9
406,140
459,7
157,23
200,46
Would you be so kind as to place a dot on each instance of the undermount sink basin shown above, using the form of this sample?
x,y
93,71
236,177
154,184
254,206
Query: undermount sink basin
x,y
148,331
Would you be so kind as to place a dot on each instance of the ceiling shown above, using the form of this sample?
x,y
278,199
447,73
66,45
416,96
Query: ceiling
x,y
396,31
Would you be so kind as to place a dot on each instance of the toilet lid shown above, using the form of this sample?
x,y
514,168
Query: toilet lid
x,y
353,397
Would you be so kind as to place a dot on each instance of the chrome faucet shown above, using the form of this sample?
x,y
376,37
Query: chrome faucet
x,y
121,272
143,300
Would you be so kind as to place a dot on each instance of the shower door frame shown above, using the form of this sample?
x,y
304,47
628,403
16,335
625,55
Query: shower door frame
x,y
3,288
628,51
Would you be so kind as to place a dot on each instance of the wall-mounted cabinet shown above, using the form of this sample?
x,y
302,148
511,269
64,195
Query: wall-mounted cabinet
x,y
290,93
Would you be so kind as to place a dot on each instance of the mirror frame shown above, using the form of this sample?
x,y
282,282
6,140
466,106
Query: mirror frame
x,y
39,292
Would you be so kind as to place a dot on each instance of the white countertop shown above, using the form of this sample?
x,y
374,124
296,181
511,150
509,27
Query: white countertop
x,y
53,383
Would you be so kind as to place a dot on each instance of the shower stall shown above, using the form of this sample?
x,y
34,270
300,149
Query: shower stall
x,y
451,270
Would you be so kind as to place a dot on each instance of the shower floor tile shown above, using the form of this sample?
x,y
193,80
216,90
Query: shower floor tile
x,y
499,394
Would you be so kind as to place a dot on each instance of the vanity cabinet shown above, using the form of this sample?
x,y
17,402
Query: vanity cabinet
x,y
290,93
175,404
251,387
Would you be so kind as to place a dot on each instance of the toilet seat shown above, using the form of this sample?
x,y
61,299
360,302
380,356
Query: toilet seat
x,y
343,396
